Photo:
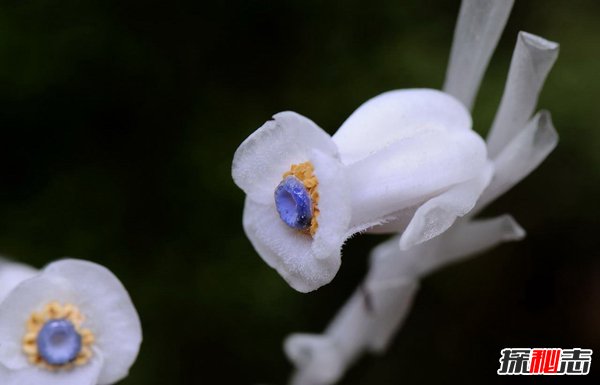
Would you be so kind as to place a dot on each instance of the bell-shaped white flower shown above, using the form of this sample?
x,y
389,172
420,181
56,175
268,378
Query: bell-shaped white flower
x,y
308,192
73,323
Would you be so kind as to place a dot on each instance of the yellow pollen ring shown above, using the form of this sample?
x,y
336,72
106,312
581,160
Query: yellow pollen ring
x,y
55,311
305,172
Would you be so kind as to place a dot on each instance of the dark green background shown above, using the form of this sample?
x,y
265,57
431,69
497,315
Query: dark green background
x,y
119,120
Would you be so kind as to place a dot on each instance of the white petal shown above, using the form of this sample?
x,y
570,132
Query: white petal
x,y
109,311
260,161
411,171
526,151
464,239
334,205
287,250
531,62
11,274
394,223
306,263
474,236
316,358
480,24
437,214
29,296
396,115
81,375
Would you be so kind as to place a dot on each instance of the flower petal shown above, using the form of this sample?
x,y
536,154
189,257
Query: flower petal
x,y
11,274
466,238
306,263
260,161
29,296
411,171
109,311
396,115
287,250
531,62
437,214
480,24
334,206
520,157
81,375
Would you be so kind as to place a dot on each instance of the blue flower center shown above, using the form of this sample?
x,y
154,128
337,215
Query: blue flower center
x,y
58,342
293,203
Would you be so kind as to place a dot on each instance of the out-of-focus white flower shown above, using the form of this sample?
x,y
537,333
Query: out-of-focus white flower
x,y
11,274
73,323
369,319
517,144
308,192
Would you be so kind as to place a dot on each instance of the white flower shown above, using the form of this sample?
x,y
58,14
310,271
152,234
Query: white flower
x,y
72,323
308,192
517,144
369,319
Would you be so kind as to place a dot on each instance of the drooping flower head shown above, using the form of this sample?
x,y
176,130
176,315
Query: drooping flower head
x,y
73,323
406,158
517,143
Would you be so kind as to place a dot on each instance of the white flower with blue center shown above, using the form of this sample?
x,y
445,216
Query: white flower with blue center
x,y
407,159
517,144
72,323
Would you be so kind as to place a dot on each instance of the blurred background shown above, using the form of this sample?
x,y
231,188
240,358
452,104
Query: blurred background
x,y
119,121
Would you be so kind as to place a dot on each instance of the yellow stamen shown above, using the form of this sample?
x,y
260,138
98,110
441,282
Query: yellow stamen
x,y
305,172
53,311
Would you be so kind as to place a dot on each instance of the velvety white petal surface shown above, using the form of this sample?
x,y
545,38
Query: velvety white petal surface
x,y
396,115
437,214
29,296
11,274
306,263
110,314
412,171
82,375
480,24
531,62
262,159
287,250
525,152
334,205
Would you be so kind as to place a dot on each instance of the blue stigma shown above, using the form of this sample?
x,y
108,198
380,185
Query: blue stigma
x,y
58,342
293,203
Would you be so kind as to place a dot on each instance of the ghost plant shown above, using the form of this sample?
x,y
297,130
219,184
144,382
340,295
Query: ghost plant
x,y
72,323
516,144
406,158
